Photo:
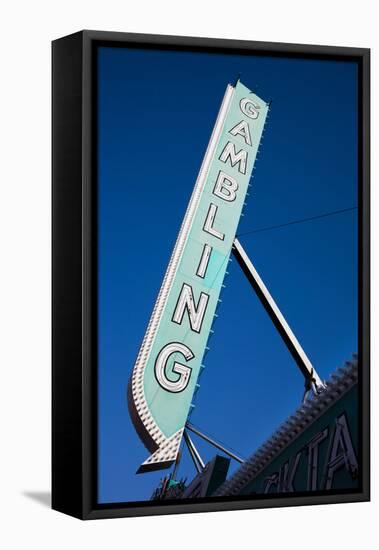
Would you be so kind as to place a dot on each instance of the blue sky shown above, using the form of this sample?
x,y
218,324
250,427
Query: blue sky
x,y
156,111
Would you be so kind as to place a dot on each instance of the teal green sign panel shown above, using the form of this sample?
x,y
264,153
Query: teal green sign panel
x,y
169,362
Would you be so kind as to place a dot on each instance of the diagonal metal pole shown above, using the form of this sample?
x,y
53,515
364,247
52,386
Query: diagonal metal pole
x,y
196,458
312,379
176,464
196,431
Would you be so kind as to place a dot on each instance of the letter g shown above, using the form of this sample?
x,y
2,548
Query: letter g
x,y
184,372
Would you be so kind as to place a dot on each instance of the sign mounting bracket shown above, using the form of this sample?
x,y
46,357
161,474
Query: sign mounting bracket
x,y
312,379
196,458
214,443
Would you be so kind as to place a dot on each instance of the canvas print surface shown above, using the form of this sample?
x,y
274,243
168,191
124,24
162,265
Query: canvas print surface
x,y
227,210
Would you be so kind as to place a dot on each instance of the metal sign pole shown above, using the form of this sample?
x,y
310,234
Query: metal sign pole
x,y
312,379
196,431
196,458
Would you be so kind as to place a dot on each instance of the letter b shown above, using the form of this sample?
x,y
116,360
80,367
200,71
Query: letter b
x,y
226,187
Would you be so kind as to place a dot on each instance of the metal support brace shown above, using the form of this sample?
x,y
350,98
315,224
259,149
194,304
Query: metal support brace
x,y
312,379
176,464
196,458
196,431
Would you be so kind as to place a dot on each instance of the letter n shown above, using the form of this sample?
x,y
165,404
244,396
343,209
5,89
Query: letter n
x,y
195,312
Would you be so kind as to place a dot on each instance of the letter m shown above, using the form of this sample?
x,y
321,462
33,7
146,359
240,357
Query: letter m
x,y
229,152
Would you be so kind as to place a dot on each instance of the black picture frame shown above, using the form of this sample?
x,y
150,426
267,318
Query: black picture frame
x,y
74,257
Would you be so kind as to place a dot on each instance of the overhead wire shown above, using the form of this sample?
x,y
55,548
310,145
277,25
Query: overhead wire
x,y
302,220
